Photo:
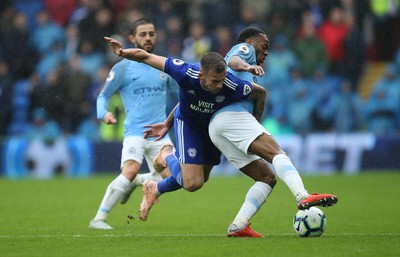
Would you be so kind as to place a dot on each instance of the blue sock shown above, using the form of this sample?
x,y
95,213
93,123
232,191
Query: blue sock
x,y
175,168
168,184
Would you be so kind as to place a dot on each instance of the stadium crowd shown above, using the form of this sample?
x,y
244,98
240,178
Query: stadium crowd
x,y
54,61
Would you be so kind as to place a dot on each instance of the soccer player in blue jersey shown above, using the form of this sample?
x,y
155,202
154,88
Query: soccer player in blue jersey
x,y
204,89
144,94
243,140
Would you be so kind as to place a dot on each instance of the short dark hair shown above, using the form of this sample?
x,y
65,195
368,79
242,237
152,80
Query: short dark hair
x,y
249,32
212,61
138,22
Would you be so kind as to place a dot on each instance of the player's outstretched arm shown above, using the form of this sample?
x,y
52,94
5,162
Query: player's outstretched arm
x,y
136,54
259,96
236,63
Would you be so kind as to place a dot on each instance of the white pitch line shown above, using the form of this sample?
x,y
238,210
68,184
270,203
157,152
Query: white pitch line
x,y
187,235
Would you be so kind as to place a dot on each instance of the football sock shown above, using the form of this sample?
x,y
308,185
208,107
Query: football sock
x,y
175,168
155,176
255,198
115,190
168,184
286,171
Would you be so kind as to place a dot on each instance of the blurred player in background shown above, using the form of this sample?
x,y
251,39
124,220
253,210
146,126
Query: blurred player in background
x,y
144,93
243,140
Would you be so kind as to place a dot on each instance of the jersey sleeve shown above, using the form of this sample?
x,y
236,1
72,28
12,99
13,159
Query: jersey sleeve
x,y
114,81
244,88
244,51
176,68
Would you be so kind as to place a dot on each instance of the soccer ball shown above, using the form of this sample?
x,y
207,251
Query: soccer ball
x,y
310,222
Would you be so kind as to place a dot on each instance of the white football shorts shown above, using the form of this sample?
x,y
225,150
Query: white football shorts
x,y
135,148
232,133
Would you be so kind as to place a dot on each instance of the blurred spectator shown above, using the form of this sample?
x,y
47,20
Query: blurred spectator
x,y
390,82
95,26
280,61
222,40
60,11
333,33
50,95
6,84
51,59
347,117
30,8
325,88
386,28
300,103
77,105
71,39
47,154
380,112
310,50
174,37
247,18
218,13
196,44
279,25
354,58
46,33
20,104
16,49
90,59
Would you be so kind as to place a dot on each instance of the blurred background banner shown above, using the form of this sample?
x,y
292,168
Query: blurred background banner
x,y
314,154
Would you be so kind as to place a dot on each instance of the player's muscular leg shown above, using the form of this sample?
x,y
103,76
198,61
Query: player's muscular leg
x,y
260,171
192,176
266,147
130,169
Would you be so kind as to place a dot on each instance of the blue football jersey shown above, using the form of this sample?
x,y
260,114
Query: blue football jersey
x,y
196,104
143,90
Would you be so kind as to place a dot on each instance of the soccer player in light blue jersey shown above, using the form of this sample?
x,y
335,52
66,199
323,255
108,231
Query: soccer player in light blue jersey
x,y
243,140
143,90
204,89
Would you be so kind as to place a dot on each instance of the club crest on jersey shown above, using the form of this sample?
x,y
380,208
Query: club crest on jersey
x,y
244,49
192,152
246,89
177,61
132,150
162,76
110,76
219,98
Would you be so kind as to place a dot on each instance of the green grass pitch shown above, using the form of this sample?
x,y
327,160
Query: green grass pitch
x,y
50,218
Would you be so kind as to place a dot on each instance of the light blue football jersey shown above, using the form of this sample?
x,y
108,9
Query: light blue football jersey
x,y
143,90
248,54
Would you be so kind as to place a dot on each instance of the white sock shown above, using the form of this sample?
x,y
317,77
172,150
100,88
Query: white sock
x,y
115,190
155,176
255,198
286,171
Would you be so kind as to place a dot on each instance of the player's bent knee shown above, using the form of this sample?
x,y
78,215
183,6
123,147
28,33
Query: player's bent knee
x,y
192,186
